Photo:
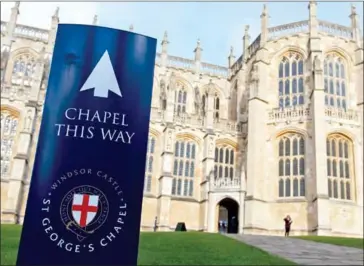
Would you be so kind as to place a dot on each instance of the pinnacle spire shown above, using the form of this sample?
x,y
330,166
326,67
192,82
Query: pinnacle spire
x,y
265,10
198,43
231,51
198,51
56,12
353,9
165,43
94,22
131,27
246,30
312,3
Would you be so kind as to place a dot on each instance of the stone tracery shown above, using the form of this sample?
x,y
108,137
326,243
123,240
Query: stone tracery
x,y
291,166
185,153
9,127
291,80
23,69
339,167
149,164
335,81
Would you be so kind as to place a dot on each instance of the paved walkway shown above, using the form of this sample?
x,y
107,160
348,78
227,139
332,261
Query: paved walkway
x,y
304,252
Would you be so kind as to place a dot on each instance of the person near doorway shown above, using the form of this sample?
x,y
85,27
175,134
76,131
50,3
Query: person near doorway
x,y
220,226
287,224
225,226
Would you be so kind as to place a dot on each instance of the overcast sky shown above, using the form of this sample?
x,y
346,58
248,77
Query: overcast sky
x,y
218,25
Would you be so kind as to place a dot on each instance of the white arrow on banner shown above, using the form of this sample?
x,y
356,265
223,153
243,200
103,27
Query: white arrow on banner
x,y
102,78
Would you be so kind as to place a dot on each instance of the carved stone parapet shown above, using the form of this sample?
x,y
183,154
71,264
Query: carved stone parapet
x,y
168,145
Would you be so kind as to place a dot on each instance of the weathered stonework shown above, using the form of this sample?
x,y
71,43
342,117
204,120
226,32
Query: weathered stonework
x,y
236,110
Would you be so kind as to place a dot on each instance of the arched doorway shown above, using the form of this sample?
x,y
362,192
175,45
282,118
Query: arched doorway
x,y
228,210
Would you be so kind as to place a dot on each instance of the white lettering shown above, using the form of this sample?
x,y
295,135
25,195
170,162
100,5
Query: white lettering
x,y
69,130
117,135
115,119
67,115
123,123
110,237
96,117
59,128
102,242
49,228
46,221
53,237
60,242
91,247
107,115
129,136
69,246
81,114
107,134
46,201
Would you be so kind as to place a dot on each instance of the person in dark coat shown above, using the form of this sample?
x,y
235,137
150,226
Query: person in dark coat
x,y
287,225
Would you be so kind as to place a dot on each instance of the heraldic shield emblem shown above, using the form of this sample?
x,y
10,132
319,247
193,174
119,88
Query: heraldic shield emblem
x,y
84,208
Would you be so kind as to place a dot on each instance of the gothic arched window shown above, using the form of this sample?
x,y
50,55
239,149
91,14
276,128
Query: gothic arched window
x,y
149,165
180,100
9,126
290,81
216,107
335,82
163,95
23,67
224,162
291,166
340,169
185,153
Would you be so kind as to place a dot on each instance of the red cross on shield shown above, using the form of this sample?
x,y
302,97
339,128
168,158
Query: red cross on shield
x,y
84,208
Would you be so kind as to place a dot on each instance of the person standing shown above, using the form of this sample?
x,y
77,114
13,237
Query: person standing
x,y
287,224
220,226
155,224
225,226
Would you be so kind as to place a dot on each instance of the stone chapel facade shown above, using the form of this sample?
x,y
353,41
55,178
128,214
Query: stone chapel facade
x,y
279,131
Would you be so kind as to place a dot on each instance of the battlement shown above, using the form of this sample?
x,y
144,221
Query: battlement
x,y
324,28
28,32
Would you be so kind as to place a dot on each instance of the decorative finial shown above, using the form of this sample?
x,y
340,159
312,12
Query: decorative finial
x,y
94,22
246,29
231,50
312,2
17,4
165,37
56,12
353,9
131,27
198,43
265,11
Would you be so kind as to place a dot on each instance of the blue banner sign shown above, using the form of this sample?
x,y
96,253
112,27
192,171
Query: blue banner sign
x,y
86,191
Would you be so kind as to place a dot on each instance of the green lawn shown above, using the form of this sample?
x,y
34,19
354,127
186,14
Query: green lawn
x,y
179,248
340,241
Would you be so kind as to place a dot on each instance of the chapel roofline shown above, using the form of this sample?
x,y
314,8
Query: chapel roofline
x,y
267,34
